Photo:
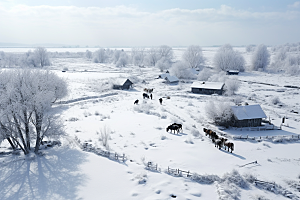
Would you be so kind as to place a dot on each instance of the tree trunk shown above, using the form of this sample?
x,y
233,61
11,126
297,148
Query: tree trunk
x,y
26,151
11,143
38,128
26,124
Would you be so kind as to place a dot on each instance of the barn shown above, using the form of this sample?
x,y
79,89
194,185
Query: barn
x,y
122,84
207,87
169,78
247,116
232,72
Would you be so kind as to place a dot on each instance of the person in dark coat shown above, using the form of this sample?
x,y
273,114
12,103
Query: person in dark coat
x,y
160,101
151,96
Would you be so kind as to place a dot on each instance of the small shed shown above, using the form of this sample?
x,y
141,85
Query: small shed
x,y
247,116
232,72
122,84
207,87
171,79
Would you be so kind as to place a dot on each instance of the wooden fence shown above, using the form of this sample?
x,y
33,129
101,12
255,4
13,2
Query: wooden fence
x,y
109,154
179,172
277,137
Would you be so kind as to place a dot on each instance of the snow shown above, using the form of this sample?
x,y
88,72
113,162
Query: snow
x,y
139,132
248,112
207,85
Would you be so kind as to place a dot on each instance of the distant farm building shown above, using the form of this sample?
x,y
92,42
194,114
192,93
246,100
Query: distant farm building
x,y
247,116
169,78
207,87
122,84
232,72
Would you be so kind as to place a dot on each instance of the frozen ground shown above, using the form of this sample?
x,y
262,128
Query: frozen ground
x,y
138,131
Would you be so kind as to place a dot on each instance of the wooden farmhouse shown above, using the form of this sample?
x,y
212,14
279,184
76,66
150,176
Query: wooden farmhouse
x,y
122,84
169,78
247,116
201,87
232,72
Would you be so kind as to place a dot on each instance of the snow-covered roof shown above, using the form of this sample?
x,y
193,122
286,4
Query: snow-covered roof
x,y
235,71
207,85
171,79
120,81
248,112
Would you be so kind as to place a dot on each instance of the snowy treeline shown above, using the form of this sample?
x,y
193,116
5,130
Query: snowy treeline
x,y
38,58
26,97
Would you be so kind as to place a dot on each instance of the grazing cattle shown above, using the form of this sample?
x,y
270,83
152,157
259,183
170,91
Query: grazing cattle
x,y
136,101
178,125
145,95
160,101
172,128
229,145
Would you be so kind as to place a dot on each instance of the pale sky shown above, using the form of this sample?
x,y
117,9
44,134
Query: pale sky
x,y
150,22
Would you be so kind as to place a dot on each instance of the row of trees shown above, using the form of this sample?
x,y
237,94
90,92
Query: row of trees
x,y
228,59
26,98
37,58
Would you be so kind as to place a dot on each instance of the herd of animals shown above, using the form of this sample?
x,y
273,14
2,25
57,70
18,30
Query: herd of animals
x,y
217,140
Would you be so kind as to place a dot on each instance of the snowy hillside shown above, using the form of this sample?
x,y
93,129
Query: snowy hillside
x,y
159,164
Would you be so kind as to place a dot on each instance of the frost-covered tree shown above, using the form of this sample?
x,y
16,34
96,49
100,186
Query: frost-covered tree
x,y
281,55
123,60
26,97
260,58
231,86
250,48
165,52
88,54
204,74
193,56
137,56
219,112
181,70
116,55
41,57
163,64
228,59
152,57
99,56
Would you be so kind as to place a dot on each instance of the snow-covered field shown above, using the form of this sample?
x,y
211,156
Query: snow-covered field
x,y
139,133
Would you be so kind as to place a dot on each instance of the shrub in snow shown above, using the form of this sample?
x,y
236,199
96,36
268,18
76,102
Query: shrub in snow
x,y
260,58
235,178
165,52
218,77
205,179
228,59
228,191
275,100
250,48
195,132
104,136
193,56
204,74
88,54
41,57
231,86
250,177
294,70
152,57
220,113
163,137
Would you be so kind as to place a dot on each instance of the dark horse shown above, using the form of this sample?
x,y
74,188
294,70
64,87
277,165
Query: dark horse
x,y
172,128
229,145
219,142
145,95
178,125
136,101
160,101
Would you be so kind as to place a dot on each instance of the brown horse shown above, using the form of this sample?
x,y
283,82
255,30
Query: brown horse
x,y
229,145
219,142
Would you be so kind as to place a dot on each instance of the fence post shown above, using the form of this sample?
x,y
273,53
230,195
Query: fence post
x,y
168,170
123,157
156,167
